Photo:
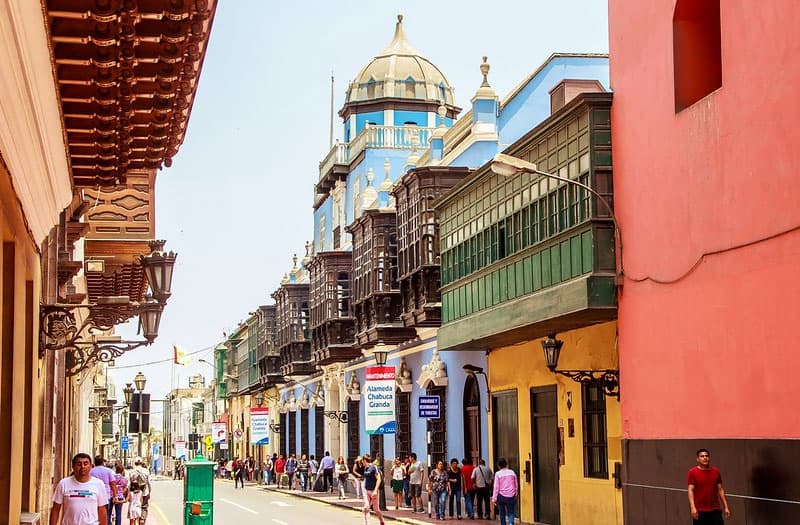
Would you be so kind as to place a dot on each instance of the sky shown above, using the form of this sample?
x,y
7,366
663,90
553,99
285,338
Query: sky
x,y
237,202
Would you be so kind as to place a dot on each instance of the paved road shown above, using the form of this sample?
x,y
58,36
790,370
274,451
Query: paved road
x,y
249,505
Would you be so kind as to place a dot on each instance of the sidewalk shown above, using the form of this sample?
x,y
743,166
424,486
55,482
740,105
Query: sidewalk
x,y
403,515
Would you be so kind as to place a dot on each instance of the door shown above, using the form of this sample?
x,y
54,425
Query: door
x,y
472,421
544,422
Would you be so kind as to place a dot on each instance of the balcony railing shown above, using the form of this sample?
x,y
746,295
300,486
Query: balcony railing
x,y
379,137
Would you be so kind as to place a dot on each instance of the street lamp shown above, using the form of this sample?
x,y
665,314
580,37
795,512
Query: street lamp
x,y
140,380
508,166
472,370
128,392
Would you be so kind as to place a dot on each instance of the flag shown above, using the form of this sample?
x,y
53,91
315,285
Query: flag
x,y
182,357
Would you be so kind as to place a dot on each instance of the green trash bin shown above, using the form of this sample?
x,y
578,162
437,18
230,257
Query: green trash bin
x,y
198,492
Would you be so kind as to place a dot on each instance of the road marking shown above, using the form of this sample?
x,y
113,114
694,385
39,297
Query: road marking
x,y
280,503
279,522
237,505
160,513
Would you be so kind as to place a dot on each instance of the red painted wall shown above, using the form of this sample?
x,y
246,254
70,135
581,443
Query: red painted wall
x,y
714,354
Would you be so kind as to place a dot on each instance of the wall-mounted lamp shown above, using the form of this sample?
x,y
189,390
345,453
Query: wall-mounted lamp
x,y
381,353
259,397
60,330
472,370
275,427
338,415
607,378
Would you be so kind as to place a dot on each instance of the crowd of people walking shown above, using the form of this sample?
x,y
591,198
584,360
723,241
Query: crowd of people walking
x,y
99,494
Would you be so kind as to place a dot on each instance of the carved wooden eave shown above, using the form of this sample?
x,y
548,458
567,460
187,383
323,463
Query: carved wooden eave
x,y
126,73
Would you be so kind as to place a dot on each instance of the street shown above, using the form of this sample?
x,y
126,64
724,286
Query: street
x,y
252,503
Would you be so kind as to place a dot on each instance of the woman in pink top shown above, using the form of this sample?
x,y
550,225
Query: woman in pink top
x,y
505,492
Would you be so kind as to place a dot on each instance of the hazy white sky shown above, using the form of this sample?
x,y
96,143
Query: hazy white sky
x,y
236,204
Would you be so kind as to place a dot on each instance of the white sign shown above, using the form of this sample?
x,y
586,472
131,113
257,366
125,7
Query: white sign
x,y
259,425
380,384
180,449
219,432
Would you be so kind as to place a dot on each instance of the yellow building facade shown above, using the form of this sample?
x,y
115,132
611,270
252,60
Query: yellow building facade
x,y
519,371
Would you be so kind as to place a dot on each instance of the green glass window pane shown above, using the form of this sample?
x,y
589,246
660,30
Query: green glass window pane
x,y
503,282
566,260
575,253
495,288
536,270
588,255
547,278
527,274
555,264
519,272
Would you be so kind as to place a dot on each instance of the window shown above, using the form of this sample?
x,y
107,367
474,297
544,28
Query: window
x,y
595,440
697,50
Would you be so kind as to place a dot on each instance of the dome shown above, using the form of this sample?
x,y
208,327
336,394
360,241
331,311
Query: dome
x,y
399,71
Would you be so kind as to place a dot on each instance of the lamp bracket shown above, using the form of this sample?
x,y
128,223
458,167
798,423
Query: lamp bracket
x,y
275,428
96,413
608,379
341,416
60,331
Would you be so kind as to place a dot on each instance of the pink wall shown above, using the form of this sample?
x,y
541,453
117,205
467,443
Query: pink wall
x,y
713,354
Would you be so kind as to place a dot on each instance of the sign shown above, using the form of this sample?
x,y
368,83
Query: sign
x,y
180,449
209,443
430,407
223,445
259,425
380,383
219,431
123,443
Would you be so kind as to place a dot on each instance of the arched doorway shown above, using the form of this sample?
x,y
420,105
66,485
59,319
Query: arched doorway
x,y
472,419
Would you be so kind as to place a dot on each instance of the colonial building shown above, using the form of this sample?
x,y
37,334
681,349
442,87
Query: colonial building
x,y
95,98
707,201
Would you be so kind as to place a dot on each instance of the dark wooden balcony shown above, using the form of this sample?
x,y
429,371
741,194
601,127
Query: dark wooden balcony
x,y
293,333
377,300
269,368
418,241
332,322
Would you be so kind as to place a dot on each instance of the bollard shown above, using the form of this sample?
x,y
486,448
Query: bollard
x,y
198,492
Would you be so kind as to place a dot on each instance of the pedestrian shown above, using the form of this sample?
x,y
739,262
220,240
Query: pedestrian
x,y
482,477
372,482
280,470
438,488
291,470
135,504
406,482
81,496
139,474
342,473
313,468
238,472
223,471
267,467
706,492
468,487
121,492
416,472
106,475
302,471
454,488
504,494
326,466
250,469
398,474
358,474
272,475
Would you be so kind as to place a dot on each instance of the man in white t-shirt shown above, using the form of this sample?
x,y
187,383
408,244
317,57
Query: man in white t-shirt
x,y
82,497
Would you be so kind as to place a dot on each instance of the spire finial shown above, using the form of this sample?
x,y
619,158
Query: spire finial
x,y
370,177
294,261
399,19
485,71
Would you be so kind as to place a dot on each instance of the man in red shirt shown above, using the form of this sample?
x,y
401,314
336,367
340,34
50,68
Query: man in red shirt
x,y
280,470
469,486
706,492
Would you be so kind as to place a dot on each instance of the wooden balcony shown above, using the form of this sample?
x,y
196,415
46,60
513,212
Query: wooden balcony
x,y
293,333
269,367
377,300
296,359
418,240
332,322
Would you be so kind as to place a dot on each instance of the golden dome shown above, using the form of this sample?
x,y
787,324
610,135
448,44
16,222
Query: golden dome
x,y
399,71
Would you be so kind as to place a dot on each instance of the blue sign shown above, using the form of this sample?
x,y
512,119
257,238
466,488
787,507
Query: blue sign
x,y
123,443
430,407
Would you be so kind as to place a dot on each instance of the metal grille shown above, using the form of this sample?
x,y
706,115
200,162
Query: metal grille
x,y
319,433
595,440
352,431
437,429
402,439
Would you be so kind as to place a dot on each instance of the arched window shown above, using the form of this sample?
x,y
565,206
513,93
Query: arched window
x,y
472,419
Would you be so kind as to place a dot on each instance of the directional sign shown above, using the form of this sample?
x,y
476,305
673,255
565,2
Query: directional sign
x,y
123,443
430,407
